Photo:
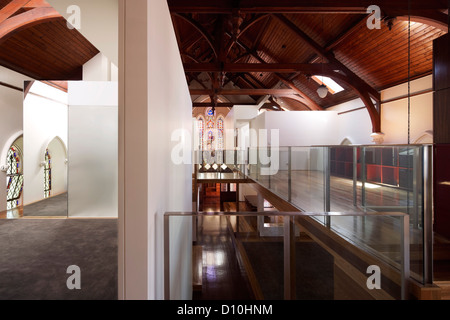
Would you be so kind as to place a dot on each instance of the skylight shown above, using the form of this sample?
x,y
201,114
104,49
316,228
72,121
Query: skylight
x,y
332,86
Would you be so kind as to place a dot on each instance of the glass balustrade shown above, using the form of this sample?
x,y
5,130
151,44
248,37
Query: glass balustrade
x,y
363,178
287,255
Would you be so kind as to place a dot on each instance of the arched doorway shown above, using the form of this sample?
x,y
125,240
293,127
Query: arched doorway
x,y
55,168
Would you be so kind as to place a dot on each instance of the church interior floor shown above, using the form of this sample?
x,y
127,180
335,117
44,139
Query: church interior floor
x,y
53,207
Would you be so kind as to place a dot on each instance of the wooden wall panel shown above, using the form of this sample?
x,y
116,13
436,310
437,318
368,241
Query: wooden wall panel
x,y
441,62
441,130
441,116
442,189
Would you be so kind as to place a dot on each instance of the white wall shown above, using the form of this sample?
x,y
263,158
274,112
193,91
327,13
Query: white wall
x,y
99,68
299,128
394,115
154,101
170,186
93,149
357,127
11,126
99,23
45,117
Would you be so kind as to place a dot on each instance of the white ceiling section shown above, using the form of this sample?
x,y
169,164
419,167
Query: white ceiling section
x,y
99,23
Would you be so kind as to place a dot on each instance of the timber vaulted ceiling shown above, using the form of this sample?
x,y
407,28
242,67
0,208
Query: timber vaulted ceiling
x,y
36,41
257,48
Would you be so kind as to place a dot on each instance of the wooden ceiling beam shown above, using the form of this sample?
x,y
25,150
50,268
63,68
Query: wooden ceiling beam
x,y
329,56
364,90
200,29
432,18
37,4
312,104
243,28
219,104
288,6
26,20
306,100
316,68
11,8
242,92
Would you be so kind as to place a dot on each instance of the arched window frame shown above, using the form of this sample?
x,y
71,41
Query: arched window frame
x,y
201,131
14,178
220,124
47,174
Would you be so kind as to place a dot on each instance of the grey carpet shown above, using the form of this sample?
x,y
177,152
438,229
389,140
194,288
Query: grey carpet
x,y
35,254
51,207
314,270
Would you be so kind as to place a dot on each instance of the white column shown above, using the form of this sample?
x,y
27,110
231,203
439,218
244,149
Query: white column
x,y
155,107
133,152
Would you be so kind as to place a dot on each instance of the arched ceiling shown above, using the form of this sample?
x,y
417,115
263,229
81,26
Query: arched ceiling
x,y
273,48
36,41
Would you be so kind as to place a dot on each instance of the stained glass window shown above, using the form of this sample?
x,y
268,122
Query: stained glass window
x,y
210,127
220,133
201,129
14,179
47,175
211,131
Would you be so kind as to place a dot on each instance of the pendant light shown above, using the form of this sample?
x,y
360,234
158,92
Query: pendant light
x,y
322,91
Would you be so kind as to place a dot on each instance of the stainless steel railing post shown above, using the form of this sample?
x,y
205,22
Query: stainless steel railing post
x,y
428,214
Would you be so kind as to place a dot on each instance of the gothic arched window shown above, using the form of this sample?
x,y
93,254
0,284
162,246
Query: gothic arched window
x,y
220,132
14,179
47,175
201,130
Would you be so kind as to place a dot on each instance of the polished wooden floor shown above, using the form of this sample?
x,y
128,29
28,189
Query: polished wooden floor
x,y
378,235
308,192
223,276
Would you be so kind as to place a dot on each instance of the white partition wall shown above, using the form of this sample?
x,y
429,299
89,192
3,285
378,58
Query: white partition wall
x,y
155,106
93,149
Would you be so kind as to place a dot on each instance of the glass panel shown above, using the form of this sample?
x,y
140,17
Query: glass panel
x,y
379,236
308,178
394,184
252,162
93,150
249,257
279,173
341,178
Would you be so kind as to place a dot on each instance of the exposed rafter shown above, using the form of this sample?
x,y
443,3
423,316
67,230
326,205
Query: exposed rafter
x,y
268,47
309,102
329,56
219,104
242,92
200,29
364,90
11,8
25,20
309,68
288,6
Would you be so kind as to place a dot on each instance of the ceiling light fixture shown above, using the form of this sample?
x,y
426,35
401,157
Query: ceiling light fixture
x,y
322,91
